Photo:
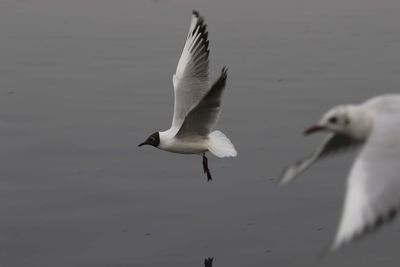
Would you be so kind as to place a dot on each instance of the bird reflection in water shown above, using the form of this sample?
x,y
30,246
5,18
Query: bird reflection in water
x,y
208,262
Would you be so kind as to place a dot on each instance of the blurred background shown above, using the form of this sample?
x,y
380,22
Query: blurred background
x,y
82,82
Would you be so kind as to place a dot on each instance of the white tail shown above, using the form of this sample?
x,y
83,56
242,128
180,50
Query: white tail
x,y
220,145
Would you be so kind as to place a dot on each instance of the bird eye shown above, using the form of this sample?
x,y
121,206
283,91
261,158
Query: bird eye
x,y
333,120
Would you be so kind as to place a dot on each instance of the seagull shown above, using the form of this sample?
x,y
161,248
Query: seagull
x,y
373,187
197,105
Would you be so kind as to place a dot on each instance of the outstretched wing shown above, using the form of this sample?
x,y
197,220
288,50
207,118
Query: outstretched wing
x,y
191,76
203,117
373,189
333,144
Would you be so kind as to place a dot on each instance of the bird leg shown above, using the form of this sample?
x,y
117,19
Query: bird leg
x,y
205,168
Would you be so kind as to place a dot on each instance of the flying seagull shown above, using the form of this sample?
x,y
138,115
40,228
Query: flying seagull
x,y
197,105
373,186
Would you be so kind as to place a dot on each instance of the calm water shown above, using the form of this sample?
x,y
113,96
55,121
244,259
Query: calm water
x,y
83,82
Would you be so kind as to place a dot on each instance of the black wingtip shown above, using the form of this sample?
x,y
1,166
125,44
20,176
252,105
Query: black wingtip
x,y
381,220
201,29
205,37
385,218
198,16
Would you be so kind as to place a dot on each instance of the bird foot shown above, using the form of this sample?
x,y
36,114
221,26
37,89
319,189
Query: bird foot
x,y
205,168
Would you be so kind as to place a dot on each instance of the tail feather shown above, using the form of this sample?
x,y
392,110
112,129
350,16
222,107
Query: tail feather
x,y
220,145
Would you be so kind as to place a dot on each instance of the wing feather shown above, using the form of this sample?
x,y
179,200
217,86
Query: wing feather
x,y
333,144
202,119
373,189
191,77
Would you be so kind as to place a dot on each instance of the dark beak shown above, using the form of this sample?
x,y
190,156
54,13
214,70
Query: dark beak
x,y
314,129
144,143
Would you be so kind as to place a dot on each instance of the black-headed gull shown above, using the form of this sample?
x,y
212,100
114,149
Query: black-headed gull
x,y
373,188
197,105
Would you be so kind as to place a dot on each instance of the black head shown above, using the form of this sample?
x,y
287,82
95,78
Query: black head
x,y
152,140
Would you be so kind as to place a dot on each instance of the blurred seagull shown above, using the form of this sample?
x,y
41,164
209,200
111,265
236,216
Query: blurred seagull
x,y
373,187
197,105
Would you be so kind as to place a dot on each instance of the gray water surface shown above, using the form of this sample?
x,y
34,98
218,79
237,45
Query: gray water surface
x,y
82,82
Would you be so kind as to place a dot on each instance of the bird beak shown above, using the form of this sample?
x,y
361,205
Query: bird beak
x,y
144,143
314,129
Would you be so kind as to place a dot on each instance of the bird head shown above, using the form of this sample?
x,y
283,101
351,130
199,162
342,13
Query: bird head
x,y
349,120
335,120
152,140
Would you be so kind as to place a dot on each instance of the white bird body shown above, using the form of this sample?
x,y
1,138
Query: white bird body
x,y
216,142
188,145
373,187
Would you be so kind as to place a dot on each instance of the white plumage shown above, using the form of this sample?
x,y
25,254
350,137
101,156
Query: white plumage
x,y
373,188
